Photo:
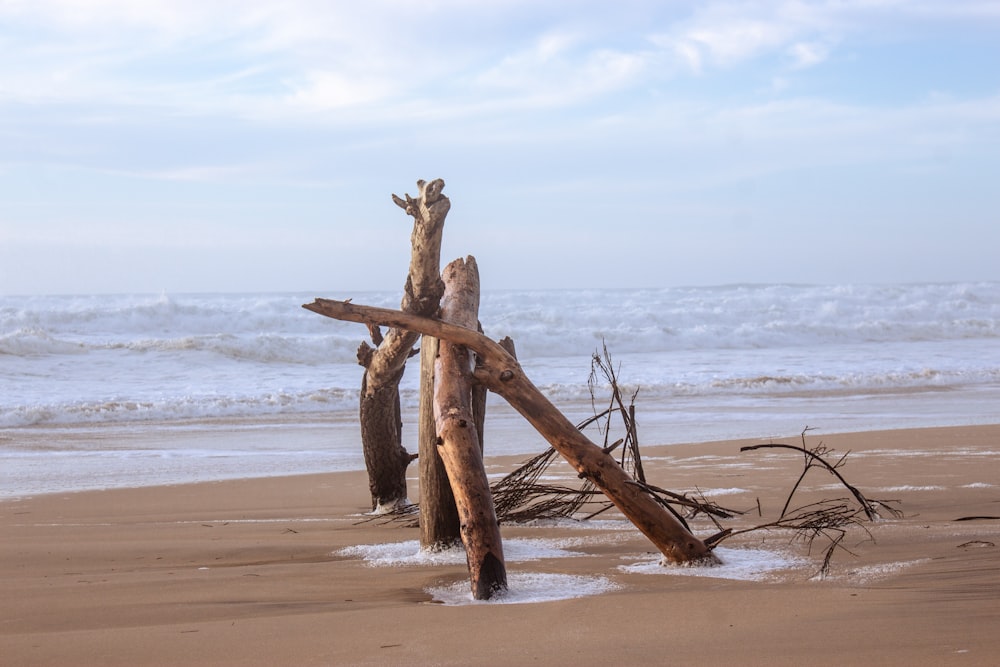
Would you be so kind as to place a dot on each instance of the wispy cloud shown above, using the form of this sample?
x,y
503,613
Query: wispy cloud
x,y
727,34
276,60
807,54
560,69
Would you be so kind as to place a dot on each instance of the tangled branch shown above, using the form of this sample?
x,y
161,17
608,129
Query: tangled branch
x,y
520,496
829,519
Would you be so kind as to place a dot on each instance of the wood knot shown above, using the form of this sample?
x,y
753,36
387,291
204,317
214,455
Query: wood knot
x,y
365,354
507,376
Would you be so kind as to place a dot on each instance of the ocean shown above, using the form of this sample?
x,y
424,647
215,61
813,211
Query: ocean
x,y
99,391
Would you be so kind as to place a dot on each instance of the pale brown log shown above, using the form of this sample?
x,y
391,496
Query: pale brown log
x,y
458,440
439,524
381,428
501,373
423,290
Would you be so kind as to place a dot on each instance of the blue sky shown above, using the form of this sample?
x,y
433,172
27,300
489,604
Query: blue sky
x,y
194,145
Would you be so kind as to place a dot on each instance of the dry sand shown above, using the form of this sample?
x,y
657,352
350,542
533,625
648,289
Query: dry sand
x,y
248,573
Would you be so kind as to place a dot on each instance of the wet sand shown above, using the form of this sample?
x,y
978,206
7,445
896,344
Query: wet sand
x,y
250,572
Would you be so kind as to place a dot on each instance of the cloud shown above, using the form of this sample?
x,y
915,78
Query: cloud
x,y
198,56
292,60
560,69
724,35
357,62
326,90
807,54
332,79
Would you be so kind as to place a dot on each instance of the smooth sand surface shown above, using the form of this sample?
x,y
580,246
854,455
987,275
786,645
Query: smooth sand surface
x,y
249,572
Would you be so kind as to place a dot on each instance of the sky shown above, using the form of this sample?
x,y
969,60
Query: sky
x,y
243,146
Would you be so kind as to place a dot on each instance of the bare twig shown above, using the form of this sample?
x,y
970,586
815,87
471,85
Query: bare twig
x,y
829,519
814,458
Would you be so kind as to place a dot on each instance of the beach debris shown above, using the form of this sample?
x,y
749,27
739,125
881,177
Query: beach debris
x,y
458,407
458,442
500,372
828,518
976,543
521,496
814,459
381,424
438,520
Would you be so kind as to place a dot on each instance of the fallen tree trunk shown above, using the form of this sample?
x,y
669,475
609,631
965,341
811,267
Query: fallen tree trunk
x,y
501,374
381,425
458,438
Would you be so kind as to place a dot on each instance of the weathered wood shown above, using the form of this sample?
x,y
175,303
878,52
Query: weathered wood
x,y
501,374
458,440
439,524
479,393
381,427
386,459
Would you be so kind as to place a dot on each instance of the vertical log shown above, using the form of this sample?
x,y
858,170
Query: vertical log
x,y
479,404
439,525
458,441
386,459
381,427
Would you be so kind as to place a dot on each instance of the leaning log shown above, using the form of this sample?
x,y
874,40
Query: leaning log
x,y
381,425
458,439
502,374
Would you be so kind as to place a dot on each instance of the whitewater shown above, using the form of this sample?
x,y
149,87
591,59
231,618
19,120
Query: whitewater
x,y
99,391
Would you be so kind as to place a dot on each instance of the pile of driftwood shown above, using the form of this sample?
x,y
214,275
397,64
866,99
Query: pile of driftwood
x,y
459,364
445,307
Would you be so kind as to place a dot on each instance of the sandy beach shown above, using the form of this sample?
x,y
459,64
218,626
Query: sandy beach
x,y
255,572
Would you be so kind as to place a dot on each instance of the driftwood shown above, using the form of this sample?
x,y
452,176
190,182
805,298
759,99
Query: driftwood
x,y
521,497
501,374
381,424
814,459
827,518
458,440
439,524
602,368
